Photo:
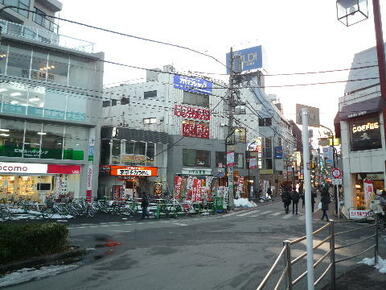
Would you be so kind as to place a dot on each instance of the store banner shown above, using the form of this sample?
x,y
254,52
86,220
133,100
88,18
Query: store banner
x,y
253,163
368,188
22,168
231,159
191,113
195,129
177,186
278,152
63,169
191,84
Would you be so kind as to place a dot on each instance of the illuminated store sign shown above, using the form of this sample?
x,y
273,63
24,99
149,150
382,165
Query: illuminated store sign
x,y
365,133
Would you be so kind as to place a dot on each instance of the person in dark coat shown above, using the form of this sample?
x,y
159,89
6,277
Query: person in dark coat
x,y
313,197
144,205
325,200
295,200
286,198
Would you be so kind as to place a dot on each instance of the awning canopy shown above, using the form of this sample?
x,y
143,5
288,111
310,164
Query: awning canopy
x,y
361,108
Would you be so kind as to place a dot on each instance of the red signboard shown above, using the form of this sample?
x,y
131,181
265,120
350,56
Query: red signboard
x,y
177,187
63,169
195,129
192,113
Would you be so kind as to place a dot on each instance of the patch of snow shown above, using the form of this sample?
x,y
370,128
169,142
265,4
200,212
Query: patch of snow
x,y
244,202
380,266
28,274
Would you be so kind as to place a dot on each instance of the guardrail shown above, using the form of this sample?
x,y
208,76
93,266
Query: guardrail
x,y
287,273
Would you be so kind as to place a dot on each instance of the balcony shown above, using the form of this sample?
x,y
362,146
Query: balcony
x,y
45,36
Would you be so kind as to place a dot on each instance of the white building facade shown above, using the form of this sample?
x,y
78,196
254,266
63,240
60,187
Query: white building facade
x,y
360,122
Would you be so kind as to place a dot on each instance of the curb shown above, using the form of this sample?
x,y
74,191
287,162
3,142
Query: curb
x,y
43,260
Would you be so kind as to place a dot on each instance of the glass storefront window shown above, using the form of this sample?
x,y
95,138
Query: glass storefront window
x,y
140,148
36,101
3,58
150,153
105,152
55,105
33,134
77,107
193,157
11,137
220,159
15,99
57,69
116,152
130,147
75,141
52,141
18,62
39,66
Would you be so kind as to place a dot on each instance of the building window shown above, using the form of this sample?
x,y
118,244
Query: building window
x,y
149,94
116,152
11,137
194,99
18,62
20,4
125,101
106,103
265,122
148,121
105,152
220,160
193,157
41,18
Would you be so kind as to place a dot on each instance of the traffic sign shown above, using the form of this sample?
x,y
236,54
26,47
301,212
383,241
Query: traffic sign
x,y
336,173
337,181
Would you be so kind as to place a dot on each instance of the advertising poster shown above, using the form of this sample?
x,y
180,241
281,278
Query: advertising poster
x,y
231,159
368,188
177,186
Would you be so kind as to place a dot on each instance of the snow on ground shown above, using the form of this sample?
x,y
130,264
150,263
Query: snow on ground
x,y
28,274
381,265
244,202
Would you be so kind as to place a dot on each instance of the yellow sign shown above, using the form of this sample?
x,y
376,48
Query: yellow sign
x,y
266,171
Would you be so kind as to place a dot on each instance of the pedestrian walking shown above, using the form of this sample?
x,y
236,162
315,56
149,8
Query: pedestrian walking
x,y
325,200
144,205
295,200
269,192
286,198
313,197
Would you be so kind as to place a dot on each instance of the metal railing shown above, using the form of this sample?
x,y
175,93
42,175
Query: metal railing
x,y
45,36
286,275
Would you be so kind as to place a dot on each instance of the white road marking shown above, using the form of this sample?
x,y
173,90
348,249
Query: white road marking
x,y
248,213
266,212
180,224
120,231
287,216
230,214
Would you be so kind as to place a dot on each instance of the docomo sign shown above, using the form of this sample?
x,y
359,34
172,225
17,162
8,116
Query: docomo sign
x,y
7,167
133,171
358,214
365,127
37,168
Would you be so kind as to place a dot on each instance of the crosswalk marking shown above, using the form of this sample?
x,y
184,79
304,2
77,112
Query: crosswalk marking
x,y
266,212
248,213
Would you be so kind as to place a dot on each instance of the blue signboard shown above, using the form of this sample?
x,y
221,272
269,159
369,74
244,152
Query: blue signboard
x,y
194,85
251,58
278,152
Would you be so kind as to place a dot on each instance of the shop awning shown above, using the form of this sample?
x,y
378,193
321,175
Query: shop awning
x,y
337,125
361,108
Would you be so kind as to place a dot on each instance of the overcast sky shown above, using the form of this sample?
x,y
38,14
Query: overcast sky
x,y
297,36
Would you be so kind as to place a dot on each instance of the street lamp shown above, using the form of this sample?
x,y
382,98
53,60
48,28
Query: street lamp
x,y
350,12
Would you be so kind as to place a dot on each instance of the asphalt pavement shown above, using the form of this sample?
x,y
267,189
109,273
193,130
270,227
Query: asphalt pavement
x,y
229,251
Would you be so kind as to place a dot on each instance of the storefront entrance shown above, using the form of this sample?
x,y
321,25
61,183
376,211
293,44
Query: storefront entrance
x,y
366,186
35,182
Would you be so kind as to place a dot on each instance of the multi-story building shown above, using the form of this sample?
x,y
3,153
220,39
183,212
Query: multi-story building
x,y
361,126
50,106
192,112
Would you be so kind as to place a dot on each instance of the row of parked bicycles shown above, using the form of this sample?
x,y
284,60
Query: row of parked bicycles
x,y
24,209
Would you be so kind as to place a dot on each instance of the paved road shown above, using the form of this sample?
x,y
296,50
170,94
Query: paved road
x,y
231,251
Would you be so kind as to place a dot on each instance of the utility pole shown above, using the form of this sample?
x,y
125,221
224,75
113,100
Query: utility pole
x,y
231,102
